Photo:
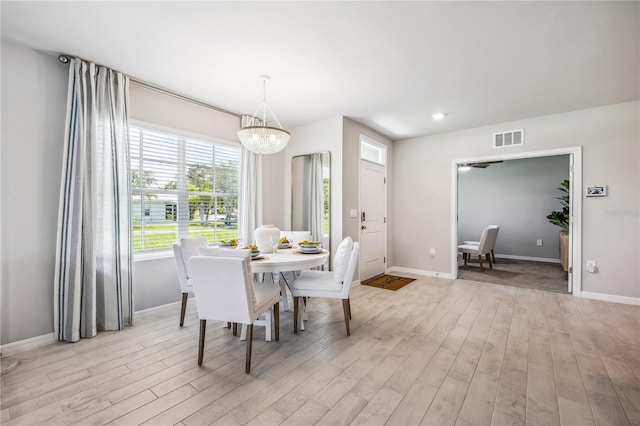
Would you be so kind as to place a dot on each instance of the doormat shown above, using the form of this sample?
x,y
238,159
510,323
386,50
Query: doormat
x,y
388,282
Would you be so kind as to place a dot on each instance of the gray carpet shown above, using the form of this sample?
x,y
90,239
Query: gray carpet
x,y
517,273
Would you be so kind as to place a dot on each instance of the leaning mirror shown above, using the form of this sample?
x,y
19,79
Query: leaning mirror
x,y
311,195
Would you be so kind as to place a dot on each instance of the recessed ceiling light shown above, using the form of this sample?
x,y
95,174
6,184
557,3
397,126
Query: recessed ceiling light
x,y
438,115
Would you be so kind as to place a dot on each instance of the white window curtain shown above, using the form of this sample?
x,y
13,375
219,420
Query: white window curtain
x,y
316,198
93,284
250,197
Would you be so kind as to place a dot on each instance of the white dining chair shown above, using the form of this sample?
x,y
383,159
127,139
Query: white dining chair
x,y
265,320
482,249
182,252
334,284
285,278
224,291
476,243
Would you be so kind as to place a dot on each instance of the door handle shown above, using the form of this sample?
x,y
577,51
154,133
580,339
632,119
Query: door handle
x,y
363,227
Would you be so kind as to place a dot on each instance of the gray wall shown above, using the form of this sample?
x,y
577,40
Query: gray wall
x,y
34,92
609,136
517,195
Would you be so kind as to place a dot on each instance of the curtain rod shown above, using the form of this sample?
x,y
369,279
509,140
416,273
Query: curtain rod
x,y
65,59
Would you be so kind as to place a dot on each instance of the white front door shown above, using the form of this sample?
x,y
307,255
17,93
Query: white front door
x,y
372,220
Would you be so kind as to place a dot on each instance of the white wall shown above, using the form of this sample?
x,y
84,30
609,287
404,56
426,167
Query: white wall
x,y
517,195
609,136
34,92
274,171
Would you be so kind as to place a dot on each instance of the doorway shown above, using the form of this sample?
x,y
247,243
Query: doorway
x,y
373,208
574,176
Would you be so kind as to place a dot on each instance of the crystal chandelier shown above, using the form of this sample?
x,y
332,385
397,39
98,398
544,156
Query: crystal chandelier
x,y
259,137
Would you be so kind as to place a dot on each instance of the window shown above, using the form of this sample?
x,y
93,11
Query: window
x,y
181,187
371,151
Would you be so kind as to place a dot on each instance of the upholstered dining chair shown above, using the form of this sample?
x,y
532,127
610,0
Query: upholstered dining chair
x,y
182,251
334,284
487,239
266,319
493,243
284,278
224,291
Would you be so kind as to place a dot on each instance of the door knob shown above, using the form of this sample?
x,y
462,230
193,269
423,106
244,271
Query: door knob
x,y
363,227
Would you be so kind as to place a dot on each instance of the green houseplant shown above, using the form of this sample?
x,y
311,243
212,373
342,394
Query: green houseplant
x,y
561,218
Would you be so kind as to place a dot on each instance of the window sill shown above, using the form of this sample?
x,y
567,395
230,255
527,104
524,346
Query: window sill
x,y
152,254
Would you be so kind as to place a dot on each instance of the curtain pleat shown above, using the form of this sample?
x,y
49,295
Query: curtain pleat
x,y
316,198
250,197
93,279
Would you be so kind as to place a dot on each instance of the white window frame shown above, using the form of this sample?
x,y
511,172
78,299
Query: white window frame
x,y
182,228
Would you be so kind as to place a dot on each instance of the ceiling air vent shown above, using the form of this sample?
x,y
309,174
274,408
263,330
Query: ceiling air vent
x,y
511,138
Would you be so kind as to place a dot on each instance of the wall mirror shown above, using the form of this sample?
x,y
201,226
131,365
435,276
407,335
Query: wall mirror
x,y
311,195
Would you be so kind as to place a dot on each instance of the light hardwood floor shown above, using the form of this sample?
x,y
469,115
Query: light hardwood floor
x,y
435,352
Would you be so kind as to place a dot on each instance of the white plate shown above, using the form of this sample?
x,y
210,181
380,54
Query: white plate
x,y
284,246
260,256
310,246
310,250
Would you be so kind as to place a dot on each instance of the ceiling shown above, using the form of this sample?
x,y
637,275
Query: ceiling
x,y
388,65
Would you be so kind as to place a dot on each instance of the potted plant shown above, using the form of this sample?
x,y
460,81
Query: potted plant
x,y
561,219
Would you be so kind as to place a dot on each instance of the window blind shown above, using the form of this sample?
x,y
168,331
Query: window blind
x,y
181,187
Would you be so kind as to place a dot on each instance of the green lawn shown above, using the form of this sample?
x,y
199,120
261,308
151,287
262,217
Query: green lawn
x,y
166,234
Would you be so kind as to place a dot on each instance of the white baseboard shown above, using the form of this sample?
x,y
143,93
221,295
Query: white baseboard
x,y
401,269
148,311
533,259
27,344
611,298
47,339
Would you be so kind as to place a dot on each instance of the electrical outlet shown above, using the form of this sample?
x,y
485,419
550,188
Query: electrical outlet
x,y
432,252
591,266
539,242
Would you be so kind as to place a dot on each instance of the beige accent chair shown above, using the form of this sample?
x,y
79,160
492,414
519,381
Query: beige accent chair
x,y
477,243
487,240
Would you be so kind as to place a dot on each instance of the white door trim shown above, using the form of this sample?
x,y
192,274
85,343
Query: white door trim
x,y
576,202
386,212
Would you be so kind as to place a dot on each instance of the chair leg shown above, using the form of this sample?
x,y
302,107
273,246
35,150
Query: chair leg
x,y
493,256
228,324
349,305
480,260
203,332
283,295
296,307
183,310
465,257
235,328
276,320
488,255
247,367
345,308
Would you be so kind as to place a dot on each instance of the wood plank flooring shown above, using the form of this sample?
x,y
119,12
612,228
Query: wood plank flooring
x,y
436,352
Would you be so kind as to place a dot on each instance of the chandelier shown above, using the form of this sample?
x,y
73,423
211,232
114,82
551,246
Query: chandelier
x,y
259,137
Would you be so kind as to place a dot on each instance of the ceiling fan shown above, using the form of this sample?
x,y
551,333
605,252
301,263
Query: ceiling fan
x,y
479,165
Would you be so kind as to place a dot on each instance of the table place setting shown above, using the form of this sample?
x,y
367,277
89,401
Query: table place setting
x,y
284,243
255,253
310,247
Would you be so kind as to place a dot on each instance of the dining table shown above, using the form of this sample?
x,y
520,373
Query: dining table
x,y
288,260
